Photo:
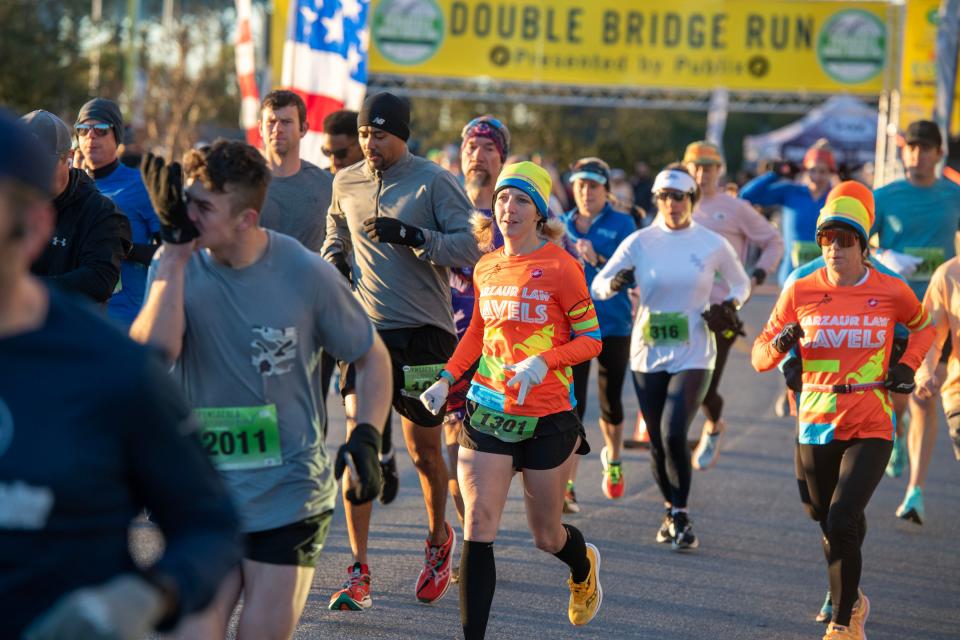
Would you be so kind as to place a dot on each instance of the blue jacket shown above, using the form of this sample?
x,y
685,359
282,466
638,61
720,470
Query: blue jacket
x,y
125,187
798,218
606,233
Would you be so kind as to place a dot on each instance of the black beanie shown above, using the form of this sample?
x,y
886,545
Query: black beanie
x,y
387,112
106,111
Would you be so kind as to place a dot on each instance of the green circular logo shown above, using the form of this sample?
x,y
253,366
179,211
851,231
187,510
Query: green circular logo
x,y
852,46
408,31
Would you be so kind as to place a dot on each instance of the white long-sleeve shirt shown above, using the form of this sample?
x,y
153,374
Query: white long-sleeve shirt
x,y
675,271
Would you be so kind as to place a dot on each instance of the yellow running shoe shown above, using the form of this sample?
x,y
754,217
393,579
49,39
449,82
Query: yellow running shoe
x,y
858,618
586,596
840,632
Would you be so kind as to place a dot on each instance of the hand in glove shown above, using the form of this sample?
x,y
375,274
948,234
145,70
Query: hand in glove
x,y
381,229
723,319
526,373
125,608
435,397
759,276
342,264
900,379
164,185
902,263
788,337
623,280
360,454
793,374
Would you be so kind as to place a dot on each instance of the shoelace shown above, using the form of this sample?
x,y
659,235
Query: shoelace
x,y
580,590
434,560
354,579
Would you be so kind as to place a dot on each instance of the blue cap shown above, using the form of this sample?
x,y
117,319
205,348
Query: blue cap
x,y
22,157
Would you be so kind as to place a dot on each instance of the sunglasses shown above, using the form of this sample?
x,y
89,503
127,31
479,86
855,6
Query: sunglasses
x,y
339,154
490,121
676,196
99,130
843,237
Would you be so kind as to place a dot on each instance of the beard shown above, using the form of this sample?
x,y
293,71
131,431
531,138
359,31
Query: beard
x,y
477,178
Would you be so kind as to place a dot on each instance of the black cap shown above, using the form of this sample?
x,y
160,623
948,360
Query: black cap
x,y
386,112
52,132
106,111
23,158
923,132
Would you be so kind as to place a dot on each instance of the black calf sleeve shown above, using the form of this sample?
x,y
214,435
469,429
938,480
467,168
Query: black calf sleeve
x,y
574,554
478,580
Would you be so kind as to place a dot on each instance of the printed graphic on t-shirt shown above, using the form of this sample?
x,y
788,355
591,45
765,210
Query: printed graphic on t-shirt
x,y
272,348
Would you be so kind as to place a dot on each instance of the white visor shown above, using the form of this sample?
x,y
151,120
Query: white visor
x,y
676,180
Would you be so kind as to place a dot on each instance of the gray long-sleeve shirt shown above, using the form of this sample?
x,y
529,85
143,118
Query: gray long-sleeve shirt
x,y
399,286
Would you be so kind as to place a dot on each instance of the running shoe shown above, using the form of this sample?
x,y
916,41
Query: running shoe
x,y
391,479
613,483
683,537
665,532
708,449
586,596
355,595
435,575
912,507
858,618
840,632
570,504
898,457
826,611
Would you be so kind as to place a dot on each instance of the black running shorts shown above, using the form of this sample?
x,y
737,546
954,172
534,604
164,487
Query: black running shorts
x,y
417,354
552,444
299,544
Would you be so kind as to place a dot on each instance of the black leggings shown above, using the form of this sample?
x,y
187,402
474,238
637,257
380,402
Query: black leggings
x,y
669,404
713,402
836,481
612,369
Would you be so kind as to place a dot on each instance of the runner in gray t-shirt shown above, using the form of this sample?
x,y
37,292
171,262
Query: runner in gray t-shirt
x,y
299,193
244,318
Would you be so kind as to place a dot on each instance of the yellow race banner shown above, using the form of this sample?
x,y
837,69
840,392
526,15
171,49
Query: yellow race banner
x,y
918,82
742,45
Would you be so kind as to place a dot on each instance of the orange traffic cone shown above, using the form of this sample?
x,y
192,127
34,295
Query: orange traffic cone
x,y
641,439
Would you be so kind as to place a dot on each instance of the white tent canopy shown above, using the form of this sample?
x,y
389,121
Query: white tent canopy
x,y
848,123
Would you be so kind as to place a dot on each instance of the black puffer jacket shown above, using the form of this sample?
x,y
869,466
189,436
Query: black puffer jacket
x,y
90,240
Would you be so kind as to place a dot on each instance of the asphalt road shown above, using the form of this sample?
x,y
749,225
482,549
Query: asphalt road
x,y
758,574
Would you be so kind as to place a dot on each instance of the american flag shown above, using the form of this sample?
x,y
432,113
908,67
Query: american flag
x,y
325,61
246,74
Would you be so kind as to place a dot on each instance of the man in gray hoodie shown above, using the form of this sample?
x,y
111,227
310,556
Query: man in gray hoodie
x,y
406,221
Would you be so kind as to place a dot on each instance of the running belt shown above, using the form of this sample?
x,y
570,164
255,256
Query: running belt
x,y
842,388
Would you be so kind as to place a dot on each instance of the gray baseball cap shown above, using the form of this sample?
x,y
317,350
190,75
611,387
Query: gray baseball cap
x,y
52,132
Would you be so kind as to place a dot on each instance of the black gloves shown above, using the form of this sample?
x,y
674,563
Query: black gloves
x,y
361,455
342,264
759,275
792,373
164,185
788,337
900,379
381,229
623,280
723,319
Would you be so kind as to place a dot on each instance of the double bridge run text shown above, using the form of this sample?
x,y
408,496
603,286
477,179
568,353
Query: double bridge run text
x,y
638,28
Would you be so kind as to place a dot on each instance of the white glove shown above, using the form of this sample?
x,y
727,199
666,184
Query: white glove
x,y
436,396
902,263
527,373
125,608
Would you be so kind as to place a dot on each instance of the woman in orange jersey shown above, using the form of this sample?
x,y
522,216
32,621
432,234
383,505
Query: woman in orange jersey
x,y
841,319
532,321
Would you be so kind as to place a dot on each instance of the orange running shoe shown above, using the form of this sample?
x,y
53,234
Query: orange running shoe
x,y
355,595
435,575
613,484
